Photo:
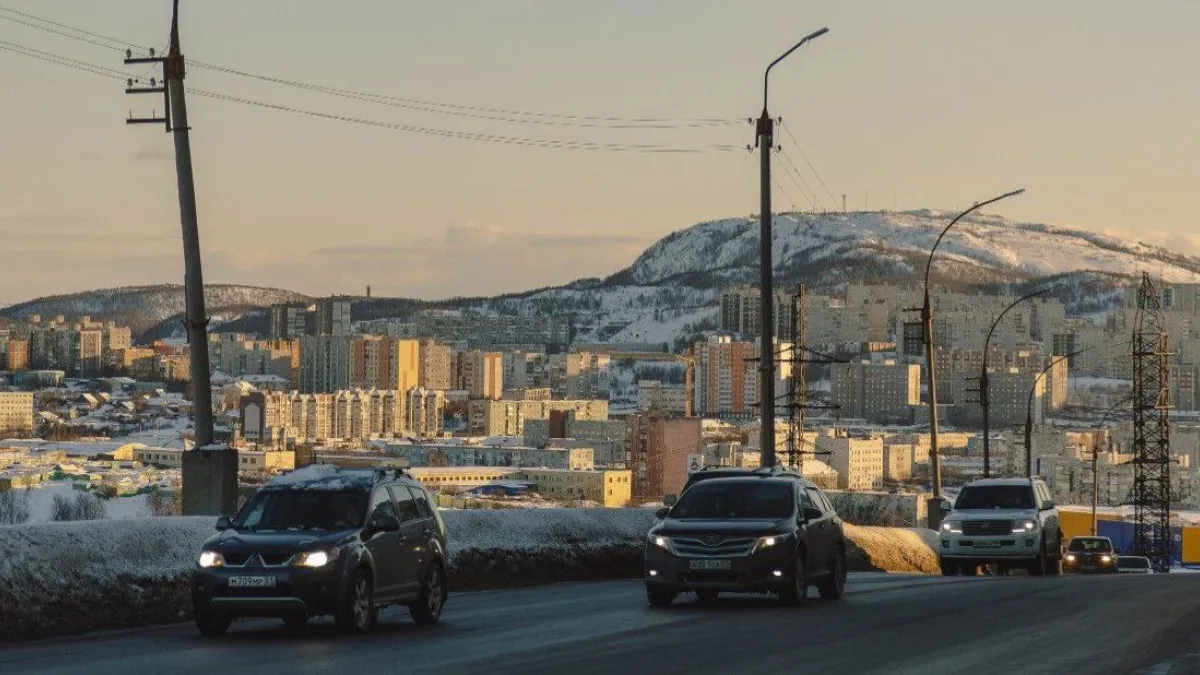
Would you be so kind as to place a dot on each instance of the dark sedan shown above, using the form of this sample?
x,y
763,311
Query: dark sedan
x,y
1090,555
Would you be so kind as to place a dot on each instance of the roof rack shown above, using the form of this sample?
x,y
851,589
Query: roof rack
x,y
381,473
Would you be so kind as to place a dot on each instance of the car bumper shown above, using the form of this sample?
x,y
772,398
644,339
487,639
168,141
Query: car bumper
x,y
296,592
765,571
1022,546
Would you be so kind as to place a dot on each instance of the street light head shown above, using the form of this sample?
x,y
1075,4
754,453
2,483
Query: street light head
x,y
816,35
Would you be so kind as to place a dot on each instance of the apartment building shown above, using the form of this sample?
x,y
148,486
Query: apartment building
x,y
579,375
424,410
288,321
325,363
658,450
608,487
670,399
881,392
507,417
17,356
16,413
858,461
435,365
378,362
481,374
724,376
443,455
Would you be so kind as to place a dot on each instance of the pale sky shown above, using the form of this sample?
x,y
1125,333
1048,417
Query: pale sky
x,y
1091,105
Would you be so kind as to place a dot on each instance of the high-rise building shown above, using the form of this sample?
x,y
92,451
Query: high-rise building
x,y
325,363
481,374
88,347
18,356
724,377
423,411
333,315
435,360
16,413
287,321
858,461
880,392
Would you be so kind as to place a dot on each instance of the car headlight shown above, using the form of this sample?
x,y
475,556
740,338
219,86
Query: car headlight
x,y
1022,526
660,541
951,527
316,558
769,541
1106,558
211,559
1070,557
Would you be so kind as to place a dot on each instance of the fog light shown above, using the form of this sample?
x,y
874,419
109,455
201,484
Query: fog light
x,y
777,573
653,573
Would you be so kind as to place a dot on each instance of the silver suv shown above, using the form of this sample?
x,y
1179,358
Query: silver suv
x,y
1007,522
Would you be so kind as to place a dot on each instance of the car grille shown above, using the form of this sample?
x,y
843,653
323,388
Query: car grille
x,y
722,548
258,559
982,527
709,577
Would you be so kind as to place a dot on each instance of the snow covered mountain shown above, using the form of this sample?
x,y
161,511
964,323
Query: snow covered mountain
x,y
670,293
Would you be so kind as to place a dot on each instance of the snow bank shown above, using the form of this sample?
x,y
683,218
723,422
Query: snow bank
x,y
59,578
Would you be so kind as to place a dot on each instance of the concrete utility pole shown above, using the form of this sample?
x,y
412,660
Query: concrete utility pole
x,y
765,140
935,464
209,473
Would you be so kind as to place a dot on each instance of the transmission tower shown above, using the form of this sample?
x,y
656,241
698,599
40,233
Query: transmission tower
x,y
798,390
1151,429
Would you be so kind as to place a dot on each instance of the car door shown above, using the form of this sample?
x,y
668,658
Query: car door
x,y
386,548
412,540
430,531
822,532
1049,519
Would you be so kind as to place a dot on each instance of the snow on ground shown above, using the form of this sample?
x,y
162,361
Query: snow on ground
x,y
671,325
41,503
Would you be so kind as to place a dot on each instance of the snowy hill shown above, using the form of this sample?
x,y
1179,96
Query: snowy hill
x,y
142,307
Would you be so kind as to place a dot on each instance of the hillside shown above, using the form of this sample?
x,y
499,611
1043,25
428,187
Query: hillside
x,y
143,307
670,293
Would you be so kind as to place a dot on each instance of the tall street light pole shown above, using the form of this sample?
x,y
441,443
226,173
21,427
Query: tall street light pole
x,y
765,141
984,396
1095,462
1029,409
935,465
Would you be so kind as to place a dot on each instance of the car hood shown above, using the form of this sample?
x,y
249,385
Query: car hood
x,y
300,540
993,514
727,527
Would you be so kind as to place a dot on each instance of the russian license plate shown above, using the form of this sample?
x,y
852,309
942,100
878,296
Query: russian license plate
x,y
708,564
251,582
986,543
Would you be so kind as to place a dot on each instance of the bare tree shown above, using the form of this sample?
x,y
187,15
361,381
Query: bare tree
x,y
82,507
14,506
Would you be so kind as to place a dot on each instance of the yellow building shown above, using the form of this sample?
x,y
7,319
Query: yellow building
x,y
610,488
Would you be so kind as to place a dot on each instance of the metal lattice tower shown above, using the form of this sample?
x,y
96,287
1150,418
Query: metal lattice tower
x,y
1151,429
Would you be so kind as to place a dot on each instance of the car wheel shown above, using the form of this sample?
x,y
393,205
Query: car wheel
x,y
707,596
1037,568
796,591
659,597
949,569
834,586
1053,564
357,613
212,625
427,610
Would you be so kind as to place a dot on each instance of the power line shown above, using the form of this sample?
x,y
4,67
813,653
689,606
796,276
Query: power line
x,y
808,161
421,105
649,148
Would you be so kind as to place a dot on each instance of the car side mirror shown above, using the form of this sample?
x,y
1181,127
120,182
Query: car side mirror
x,y
811,513
669,500
1048,505
385,522
661,514
946,506
224,523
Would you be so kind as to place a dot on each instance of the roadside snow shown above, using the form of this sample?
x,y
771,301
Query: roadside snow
x,y
41,503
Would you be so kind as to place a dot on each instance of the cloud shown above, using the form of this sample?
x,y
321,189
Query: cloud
x,y
154,153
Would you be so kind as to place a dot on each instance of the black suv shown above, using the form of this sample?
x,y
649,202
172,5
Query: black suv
x,y
758,532
325,541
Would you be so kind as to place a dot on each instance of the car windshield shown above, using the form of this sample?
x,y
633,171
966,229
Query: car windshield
x,y
1134,563
721,499
327,510
995,497
1090,545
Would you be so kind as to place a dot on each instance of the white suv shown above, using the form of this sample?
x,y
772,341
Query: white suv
x,y
1008,522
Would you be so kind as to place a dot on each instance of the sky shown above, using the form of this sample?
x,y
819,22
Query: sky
x,y
1090,105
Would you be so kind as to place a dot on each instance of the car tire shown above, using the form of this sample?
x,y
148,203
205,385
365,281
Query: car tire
x,y
949,569
357,613
1053,564
707,596
834,586
659,597
796,592
427,610
212,625
1037,568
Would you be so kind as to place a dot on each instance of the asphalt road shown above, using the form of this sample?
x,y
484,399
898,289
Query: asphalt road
x,y
886,624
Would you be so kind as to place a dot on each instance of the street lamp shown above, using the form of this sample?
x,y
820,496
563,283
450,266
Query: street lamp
x,y
1029,409
935,464
984,399
765,140
1095,458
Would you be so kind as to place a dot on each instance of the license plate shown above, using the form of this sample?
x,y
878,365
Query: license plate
x,y
987,544
251,582
708,564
